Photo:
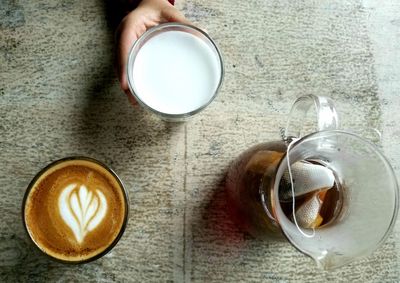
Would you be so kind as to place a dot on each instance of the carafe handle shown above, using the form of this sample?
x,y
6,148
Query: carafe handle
x,y
326,116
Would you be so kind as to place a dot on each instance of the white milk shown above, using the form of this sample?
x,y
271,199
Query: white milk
x,y
175,72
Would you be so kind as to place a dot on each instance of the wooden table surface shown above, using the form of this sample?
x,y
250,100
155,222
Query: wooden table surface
x,y
59,97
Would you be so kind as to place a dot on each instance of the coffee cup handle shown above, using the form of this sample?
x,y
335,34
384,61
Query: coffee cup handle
x,y
324,109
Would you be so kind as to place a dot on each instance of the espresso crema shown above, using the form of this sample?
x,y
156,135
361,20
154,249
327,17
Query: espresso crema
x,y
75,209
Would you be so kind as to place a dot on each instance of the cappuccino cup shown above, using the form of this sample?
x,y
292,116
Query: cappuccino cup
x,y
75,210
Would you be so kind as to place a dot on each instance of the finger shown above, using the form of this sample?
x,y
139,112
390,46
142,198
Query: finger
x,y
131,99
125,40
171,14
127,33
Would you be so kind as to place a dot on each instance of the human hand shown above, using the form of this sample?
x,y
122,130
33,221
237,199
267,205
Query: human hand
x,y
149,13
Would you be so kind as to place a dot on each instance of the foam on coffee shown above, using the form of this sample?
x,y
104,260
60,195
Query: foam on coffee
x,y
75,210
81,209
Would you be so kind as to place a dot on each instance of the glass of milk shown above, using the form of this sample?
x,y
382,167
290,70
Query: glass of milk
x,y
174,70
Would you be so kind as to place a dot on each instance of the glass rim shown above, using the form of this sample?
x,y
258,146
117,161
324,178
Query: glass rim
x,y
135,49
390,171
125,197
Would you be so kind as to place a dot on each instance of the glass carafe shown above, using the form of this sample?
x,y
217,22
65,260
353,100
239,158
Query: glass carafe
x,y
365,208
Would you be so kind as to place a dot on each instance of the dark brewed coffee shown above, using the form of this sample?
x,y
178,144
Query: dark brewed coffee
x,y
250,184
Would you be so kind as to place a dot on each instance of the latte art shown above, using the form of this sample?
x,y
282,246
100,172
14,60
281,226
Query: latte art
x,y
81,209
75,210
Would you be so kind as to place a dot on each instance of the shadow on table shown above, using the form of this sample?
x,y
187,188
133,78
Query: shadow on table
x,y
219,229
109,127
218,223
21,261
218,246
218,219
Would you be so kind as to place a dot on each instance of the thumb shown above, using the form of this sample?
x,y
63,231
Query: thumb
x,y
171,14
